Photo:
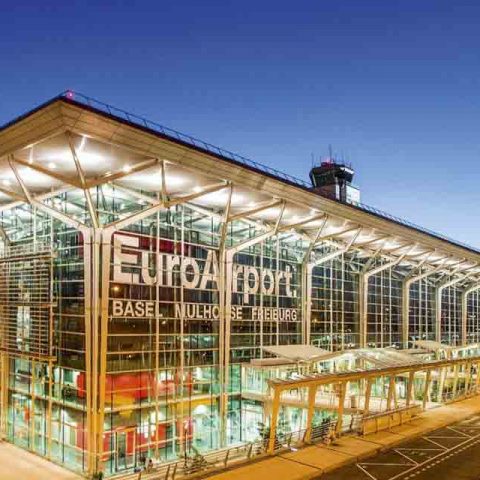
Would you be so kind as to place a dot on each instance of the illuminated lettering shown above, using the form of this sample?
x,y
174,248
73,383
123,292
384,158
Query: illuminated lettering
x,y
135,268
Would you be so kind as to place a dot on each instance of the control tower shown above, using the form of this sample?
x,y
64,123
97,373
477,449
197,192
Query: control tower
x,y
334,180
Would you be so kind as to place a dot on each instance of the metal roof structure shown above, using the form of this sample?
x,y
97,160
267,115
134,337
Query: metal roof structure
x,y
265,258
431,345
377,357
75,143
226,154
299,353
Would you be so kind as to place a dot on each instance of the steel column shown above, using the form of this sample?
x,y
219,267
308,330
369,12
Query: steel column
x,y
368,395
410,385
274,421
426,390
391,392
312,392
341,406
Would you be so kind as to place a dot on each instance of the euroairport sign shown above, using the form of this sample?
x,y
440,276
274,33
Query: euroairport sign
x,y
132,266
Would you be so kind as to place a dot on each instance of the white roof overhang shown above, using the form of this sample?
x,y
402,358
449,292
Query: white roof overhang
x,y
299,353
37,149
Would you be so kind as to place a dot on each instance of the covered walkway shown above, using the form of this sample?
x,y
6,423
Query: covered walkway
x,y
391,385
313,461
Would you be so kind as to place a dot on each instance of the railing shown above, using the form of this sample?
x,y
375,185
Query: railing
x,y
290,439
199,463
225,458
323,432
450,396
385,420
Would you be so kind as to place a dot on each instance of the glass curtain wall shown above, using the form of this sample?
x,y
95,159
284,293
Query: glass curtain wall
x,y
451,316
384,309
46,400
162,380
334,313
165,329
473,317
422,310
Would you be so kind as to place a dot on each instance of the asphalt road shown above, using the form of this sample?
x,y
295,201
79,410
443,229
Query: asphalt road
x,y
450,453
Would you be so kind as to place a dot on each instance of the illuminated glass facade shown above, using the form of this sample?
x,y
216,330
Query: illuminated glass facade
x,y
136,289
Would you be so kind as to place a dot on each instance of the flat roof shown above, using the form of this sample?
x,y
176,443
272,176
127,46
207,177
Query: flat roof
x,y
222,153
362,225
299,353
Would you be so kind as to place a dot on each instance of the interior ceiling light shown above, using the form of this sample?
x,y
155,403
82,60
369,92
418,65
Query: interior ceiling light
x,y
52,166
127,168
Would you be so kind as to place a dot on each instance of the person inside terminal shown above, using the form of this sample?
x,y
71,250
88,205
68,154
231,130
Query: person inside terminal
x,y
162,298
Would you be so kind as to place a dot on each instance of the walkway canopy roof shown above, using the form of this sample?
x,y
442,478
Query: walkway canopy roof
x,y
300,353
372,357
431,345
84,147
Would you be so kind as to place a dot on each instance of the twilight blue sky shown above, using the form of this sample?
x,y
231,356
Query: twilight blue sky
x,y
392,85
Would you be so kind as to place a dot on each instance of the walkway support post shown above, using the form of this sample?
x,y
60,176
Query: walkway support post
x,y
341,405
391,393
426,390
368,394
411,381
468,376
455,380
477,376
443,373
274,421
312,392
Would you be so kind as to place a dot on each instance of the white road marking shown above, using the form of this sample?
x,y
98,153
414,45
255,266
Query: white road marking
x,y
417,468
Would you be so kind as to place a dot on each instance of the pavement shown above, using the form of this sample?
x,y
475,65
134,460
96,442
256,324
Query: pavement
x,y
318,461
18,464
451,452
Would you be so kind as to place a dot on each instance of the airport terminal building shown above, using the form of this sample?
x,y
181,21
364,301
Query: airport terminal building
x,y
157,292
